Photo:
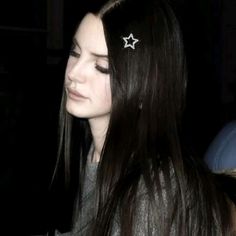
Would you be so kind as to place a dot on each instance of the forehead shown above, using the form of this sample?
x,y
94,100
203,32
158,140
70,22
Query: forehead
x,y
90,35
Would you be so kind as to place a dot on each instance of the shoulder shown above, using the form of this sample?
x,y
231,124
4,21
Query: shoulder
x,y
151,213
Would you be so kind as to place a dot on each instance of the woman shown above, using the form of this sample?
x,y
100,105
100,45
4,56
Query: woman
x,y
120,129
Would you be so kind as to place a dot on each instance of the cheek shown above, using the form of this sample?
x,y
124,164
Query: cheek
x,y
103,92
107,92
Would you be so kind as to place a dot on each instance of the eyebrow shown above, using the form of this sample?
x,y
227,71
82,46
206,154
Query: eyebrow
x,y
92,53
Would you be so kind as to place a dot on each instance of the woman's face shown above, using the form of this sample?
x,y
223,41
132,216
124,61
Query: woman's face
x,y
87,79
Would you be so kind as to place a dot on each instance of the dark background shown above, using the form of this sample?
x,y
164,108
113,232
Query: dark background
x,y
34,42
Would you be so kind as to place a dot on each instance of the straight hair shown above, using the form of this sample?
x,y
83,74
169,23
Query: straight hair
x,y
143,151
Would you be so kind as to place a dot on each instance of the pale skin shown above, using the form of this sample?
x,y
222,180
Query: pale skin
x,y
87,83
87,80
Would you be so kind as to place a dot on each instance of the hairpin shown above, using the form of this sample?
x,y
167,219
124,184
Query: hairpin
x,y
130,41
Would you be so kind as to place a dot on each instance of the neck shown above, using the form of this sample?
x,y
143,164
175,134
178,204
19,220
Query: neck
x,y
99,129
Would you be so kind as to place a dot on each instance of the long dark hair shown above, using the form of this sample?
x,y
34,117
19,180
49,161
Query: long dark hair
x,y
143,149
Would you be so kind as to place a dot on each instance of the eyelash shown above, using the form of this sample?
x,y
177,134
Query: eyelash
x,y
102,69
74,54
97,67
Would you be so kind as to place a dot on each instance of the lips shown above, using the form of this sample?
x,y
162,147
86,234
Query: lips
x,y
75,95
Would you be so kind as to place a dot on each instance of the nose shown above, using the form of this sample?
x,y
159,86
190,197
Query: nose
x,y
75,70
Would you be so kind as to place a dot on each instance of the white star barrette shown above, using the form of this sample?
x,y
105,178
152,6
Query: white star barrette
x,y
130,41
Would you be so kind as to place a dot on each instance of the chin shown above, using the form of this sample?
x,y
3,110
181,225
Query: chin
x,y
73,110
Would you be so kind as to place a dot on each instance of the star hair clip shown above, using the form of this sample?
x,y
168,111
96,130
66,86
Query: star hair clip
x,y
130,41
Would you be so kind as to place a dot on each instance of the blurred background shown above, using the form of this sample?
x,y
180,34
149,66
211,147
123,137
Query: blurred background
x,y
35,38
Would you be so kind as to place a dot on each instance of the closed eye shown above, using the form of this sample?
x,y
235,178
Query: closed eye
x,y
102,69
73,50
74,54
